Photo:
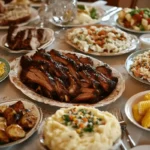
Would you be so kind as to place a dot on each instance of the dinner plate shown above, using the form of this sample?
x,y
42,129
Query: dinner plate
x,y
49,40
112,97
134,45
129,62
128,107
96,5
128,29
35,110
34,16
141,147
6,68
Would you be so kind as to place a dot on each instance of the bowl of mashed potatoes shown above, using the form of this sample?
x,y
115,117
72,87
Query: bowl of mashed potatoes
x,y
80,128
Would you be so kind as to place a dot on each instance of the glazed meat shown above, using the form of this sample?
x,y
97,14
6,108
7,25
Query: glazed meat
x,y
24,38
67,77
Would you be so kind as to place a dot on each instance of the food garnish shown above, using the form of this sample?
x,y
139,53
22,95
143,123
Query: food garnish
x,y
82,120
141,111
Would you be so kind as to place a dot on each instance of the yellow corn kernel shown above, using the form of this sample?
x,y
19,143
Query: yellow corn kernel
x,y
136,114
143,106
147,96
146,120
2,68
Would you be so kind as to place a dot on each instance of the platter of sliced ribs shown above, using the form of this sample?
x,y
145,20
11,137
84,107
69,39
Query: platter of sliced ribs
x,y
27,38
66,78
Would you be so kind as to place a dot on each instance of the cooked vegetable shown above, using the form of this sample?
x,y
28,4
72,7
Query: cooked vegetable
x,y
15,132
3,137
137,19
15,122
10,115
3,123
3,108
82,120
93,13
82,7
18,107
28,120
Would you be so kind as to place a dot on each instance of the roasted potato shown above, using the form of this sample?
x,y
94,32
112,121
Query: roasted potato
x,y
10,115
28,120
3,123
2,109
15,132
18,107
3,137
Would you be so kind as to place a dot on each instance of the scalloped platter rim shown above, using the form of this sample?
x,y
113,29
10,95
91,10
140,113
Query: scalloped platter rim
x,y
15,80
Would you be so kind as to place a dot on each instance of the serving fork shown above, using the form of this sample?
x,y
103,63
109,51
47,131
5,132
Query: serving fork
x,y
119,116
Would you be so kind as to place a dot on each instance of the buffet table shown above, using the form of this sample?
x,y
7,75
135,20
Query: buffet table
x,y
7,90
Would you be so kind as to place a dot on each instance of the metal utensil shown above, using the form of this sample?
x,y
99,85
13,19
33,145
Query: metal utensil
x,y
123,124
107,17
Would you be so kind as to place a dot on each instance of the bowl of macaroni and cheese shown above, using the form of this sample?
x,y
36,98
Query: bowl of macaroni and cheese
x,y
80,128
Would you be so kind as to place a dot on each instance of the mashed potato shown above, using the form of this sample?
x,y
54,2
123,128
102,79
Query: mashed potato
x,y
81,128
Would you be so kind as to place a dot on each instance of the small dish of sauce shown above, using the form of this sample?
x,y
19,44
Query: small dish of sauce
x,y
145,41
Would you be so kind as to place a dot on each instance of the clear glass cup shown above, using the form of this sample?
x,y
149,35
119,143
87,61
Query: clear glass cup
x,y
64,11
42,11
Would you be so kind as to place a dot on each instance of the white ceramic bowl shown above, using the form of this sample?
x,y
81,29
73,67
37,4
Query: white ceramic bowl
x,y
145,41
128,107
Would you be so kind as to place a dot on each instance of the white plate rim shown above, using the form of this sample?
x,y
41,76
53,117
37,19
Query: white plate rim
x,y
128,108
34,129
34,16
129,62
98,7
43,46
141,147
133,47
127,29
116,93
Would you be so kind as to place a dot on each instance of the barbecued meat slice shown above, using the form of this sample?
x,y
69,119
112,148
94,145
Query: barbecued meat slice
x,y
86,61
59,70
24,38
85,98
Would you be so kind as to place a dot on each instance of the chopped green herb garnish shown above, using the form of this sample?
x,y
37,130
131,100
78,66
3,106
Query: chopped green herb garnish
x,y
82,7
93,13
66,118
88,129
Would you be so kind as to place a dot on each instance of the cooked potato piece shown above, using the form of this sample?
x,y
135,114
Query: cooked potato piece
x,y
3,123
15,132
10,115
28,120
3,108
18,107
3,137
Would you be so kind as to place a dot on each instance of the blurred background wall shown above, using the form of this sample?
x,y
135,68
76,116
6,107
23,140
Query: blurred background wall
x,y
140,3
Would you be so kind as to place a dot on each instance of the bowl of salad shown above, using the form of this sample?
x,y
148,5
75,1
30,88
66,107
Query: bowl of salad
x,y
134,20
